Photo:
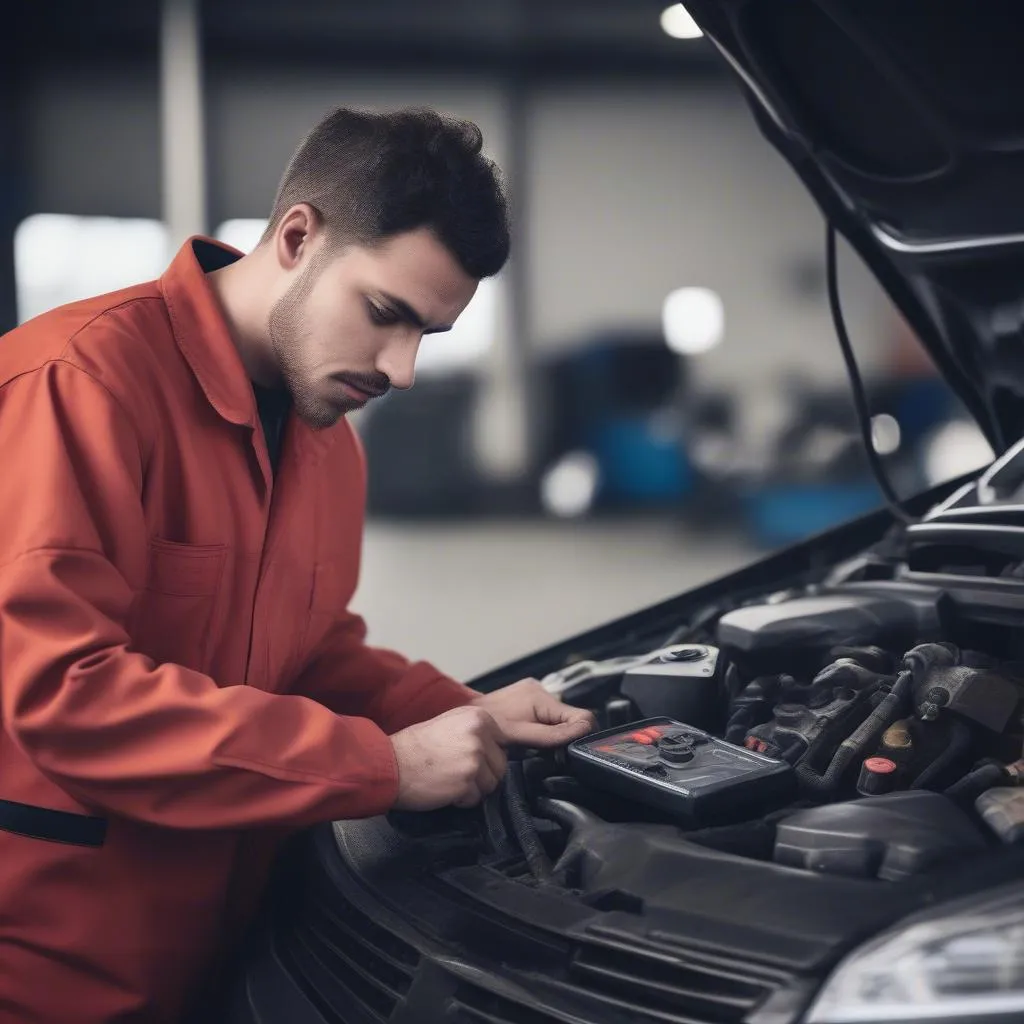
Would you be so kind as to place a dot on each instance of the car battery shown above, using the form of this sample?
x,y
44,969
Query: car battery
x,y
689,775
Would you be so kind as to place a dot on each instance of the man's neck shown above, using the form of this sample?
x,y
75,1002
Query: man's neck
x,y
242,301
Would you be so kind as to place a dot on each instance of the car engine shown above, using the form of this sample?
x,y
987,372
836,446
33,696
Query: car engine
x,y
846,728
847,756
865,722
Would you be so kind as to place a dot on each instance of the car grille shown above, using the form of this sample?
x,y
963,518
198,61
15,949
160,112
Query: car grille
x,y
608,979
473,1005
673,983
342,958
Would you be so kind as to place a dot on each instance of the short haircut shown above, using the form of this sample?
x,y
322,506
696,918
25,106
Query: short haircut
x,y
371,176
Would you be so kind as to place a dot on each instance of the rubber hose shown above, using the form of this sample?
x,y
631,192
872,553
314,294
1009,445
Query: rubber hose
x,y
522,824
498,839
972,785
887,712
566,814
959,744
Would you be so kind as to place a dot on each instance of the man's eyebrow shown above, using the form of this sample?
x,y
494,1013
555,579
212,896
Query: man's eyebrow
x,y
407,313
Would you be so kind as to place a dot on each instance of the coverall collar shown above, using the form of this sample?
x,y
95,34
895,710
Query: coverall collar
x,y
201,331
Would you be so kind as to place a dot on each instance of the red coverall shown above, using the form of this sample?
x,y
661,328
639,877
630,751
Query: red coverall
x,y
181,683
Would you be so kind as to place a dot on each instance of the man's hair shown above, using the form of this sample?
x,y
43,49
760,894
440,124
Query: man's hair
x,y
371,176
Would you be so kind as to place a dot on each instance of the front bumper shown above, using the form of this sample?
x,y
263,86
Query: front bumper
x,y
332,951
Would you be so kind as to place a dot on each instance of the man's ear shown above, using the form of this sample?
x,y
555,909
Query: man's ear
x,y
296,232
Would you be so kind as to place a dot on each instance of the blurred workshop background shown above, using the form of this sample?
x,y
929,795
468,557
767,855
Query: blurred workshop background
x,y
650,395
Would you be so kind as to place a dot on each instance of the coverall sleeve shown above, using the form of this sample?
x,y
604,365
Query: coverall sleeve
x,y
156,743
350,677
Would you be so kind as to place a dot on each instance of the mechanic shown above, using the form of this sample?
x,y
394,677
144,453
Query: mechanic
x,y
180,525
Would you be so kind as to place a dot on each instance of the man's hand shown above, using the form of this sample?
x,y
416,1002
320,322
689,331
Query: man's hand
x,y
454,759
531,717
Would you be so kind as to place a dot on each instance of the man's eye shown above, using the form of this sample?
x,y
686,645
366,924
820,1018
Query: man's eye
x,y
380,315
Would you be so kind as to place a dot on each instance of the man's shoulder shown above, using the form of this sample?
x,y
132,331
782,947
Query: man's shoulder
x,y
120,339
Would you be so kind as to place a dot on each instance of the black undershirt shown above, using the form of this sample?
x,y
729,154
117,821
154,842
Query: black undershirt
x,y
273,405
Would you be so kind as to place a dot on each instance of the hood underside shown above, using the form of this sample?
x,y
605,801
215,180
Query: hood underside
x,y
905,120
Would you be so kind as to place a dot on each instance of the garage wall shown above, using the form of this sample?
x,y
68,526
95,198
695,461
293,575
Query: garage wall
x,y
636,191
94,141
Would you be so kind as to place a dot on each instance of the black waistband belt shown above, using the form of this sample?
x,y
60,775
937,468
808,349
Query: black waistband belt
x,y
54,826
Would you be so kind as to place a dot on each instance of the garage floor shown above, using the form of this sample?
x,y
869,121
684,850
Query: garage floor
x,y
470,597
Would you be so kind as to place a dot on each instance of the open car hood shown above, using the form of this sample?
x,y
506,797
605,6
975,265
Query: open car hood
x,y
905,120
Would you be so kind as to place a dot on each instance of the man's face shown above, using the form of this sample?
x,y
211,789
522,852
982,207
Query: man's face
x,y
349,327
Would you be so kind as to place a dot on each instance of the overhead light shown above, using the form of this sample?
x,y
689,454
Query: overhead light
x,y
693,320
885,434
677,22
242,233
568,488
956,448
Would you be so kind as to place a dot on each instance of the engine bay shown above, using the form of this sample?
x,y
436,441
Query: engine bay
x,y
865,723
787,735
835,729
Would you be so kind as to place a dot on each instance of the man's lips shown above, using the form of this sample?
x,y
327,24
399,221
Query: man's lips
x,y
360,394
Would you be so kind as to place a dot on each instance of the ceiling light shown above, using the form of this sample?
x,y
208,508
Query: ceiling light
x,y
677,22
885,434
568,488
693,320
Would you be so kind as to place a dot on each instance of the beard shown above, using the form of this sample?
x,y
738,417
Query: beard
x,y
290,337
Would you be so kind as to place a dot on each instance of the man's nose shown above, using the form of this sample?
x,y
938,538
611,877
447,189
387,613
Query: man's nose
x,y
398,362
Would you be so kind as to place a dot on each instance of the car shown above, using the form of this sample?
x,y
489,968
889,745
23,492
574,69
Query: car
x,y
802,802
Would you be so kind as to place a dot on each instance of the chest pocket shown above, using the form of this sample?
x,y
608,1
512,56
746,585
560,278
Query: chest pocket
x,y
172,619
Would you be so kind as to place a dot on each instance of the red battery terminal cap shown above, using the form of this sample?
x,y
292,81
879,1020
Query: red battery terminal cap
x,y
880,765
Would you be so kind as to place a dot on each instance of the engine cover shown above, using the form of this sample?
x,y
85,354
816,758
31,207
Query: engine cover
x,y
888,837
773,637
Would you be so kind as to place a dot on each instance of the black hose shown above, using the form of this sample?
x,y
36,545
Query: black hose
x,y
569,815
959,743
972,785
887,712
522,823
498,840
860,401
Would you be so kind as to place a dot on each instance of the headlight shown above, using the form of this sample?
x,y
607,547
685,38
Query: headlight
x,y
966,964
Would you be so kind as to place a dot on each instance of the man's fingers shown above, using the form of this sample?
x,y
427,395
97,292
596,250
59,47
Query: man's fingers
x,y
579,724
552,711
540,734
575,720
496,760
487,780
470,798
